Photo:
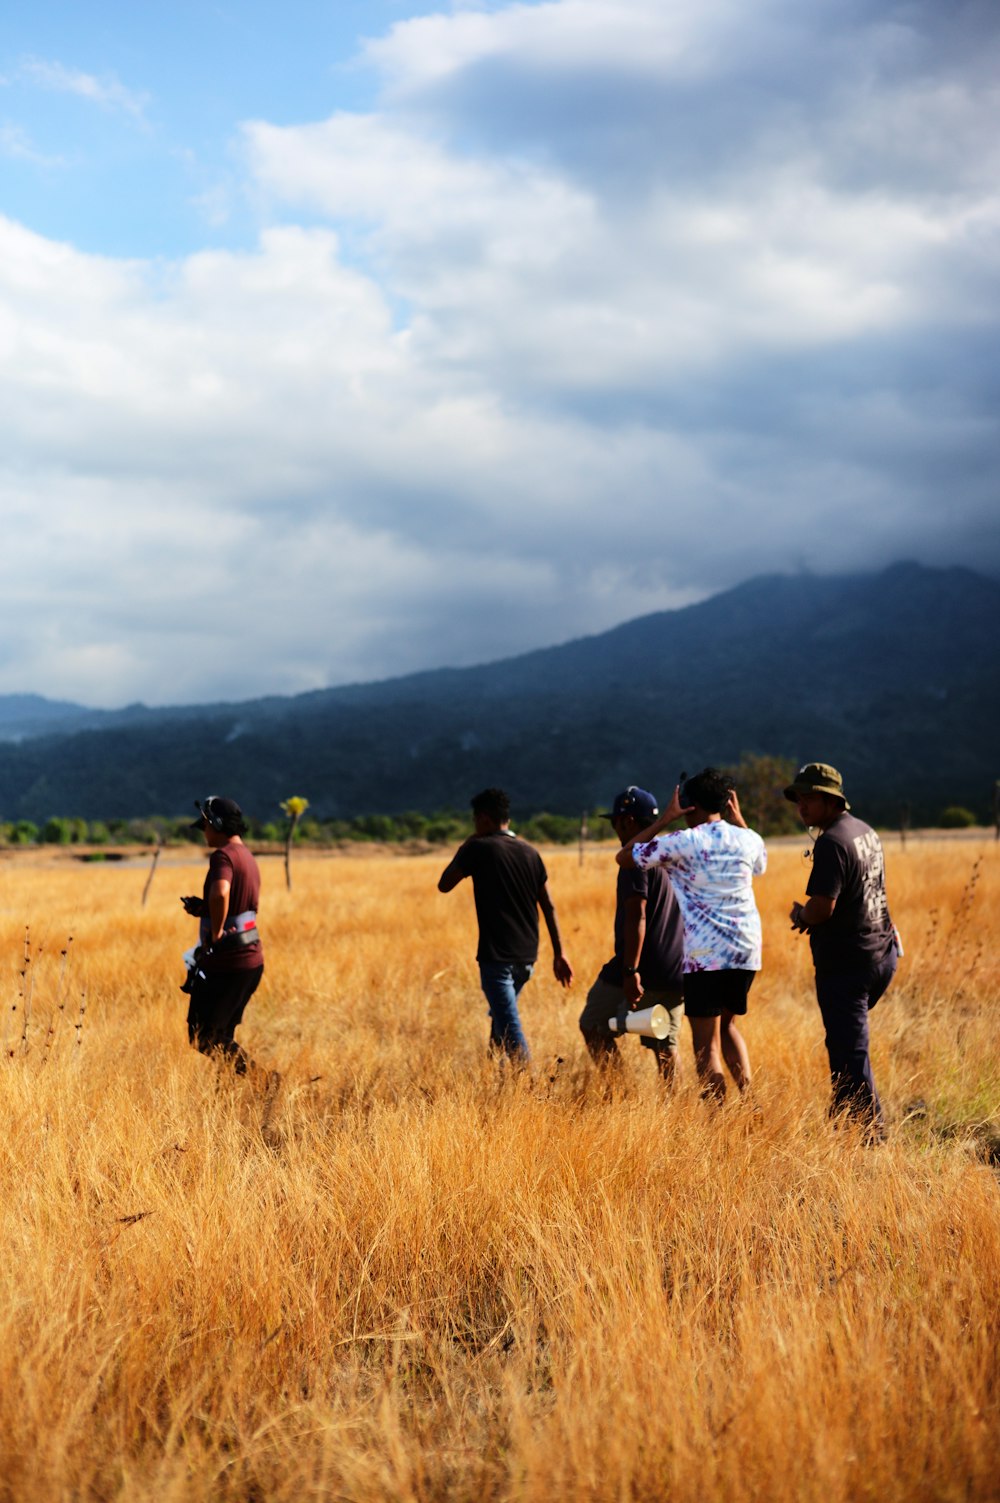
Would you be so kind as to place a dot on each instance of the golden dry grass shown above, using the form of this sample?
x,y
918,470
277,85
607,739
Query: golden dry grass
x,y
410,1278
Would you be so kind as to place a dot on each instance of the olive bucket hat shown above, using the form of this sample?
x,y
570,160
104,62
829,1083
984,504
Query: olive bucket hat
x,y
817,777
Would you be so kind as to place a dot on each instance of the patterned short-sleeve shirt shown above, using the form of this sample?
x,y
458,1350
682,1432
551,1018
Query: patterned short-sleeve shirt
x,y
712,868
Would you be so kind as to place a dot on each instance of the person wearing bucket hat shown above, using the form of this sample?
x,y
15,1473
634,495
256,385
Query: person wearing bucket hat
x,y
228,962
853,940
817,777
649,948
711,865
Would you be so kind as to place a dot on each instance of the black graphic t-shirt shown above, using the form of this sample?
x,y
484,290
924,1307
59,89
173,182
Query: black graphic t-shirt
x,y
848,865
507,878
663,944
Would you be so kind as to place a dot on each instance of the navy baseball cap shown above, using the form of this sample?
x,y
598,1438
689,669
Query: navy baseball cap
x,y
633,800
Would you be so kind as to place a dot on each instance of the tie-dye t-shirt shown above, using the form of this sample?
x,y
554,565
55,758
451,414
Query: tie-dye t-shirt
x,y
711,868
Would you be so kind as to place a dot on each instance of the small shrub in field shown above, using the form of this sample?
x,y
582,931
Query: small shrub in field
x,y
955,817
23,833
62,831
559,829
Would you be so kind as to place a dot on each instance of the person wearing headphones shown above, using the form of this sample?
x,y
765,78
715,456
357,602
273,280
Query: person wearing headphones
x,y
228,962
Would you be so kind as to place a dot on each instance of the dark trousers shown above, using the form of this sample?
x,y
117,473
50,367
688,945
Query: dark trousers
x,y
216,1011
845,1002
605,1001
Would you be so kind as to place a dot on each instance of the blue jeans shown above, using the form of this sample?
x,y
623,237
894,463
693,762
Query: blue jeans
x,y
845,1002
502,982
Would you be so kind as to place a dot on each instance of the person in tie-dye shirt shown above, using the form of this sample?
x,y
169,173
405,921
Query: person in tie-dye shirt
x,y
712,865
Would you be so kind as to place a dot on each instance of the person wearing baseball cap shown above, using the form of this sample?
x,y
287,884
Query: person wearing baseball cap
x,y
649,948
853,940
228,962
711,866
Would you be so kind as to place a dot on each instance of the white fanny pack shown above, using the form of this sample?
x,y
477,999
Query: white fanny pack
x,y
238,931
241,930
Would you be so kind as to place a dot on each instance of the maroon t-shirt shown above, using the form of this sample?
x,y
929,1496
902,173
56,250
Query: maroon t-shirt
x,y
233,864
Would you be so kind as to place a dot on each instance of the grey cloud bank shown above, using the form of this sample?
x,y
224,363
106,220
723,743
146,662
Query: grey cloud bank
x,y
603,308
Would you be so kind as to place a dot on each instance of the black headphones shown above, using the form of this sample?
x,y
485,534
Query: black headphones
x,y
210,815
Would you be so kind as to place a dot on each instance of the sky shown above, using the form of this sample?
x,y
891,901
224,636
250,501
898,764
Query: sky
x,y
340,340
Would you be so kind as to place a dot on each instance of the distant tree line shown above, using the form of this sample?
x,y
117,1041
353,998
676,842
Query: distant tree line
x,y
760,781
446,827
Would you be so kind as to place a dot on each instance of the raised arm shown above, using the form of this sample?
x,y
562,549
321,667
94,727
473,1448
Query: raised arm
x,y
454,872
560,963
733,813
673,811
451,876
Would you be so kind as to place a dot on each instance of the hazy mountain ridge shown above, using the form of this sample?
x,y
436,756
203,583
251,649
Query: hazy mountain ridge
x,y
893,676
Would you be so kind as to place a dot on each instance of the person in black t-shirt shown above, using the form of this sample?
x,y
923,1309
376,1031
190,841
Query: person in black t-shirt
x,y
852,937
649,947
509,884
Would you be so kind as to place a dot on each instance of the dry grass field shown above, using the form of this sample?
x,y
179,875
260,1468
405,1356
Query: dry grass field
x,y
412,1276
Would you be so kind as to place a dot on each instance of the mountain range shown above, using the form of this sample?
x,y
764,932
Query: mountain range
x,y
893,677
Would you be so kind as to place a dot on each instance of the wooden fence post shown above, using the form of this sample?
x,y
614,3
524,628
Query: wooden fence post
x,y
152,870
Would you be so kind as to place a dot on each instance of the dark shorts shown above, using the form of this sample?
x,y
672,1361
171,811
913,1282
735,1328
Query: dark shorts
x,y
216,1011
707,994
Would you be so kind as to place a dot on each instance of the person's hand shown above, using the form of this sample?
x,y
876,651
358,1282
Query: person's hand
x,y
194,906
562,970
674,809
732,810
633,989
797,921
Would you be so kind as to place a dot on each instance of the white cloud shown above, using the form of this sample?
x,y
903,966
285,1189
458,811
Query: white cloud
x,y
108,91
17,145
563,36
602,308
815,226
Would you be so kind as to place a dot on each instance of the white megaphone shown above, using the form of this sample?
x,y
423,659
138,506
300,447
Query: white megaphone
x,y
651,1022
